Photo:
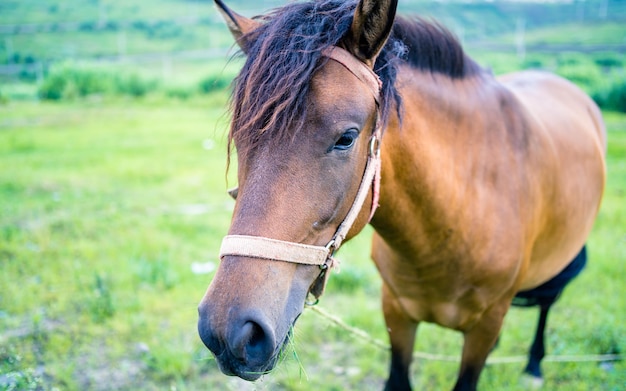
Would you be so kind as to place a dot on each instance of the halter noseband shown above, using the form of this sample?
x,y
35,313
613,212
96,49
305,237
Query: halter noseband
x,y
306,254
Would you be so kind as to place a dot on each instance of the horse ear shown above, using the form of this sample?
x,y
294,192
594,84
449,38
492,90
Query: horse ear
x,y
371,26
238,25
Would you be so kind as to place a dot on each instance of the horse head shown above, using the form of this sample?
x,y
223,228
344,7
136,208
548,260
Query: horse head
x,y
305,123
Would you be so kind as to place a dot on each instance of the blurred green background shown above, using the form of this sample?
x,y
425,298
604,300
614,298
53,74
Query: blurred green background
x,y
112,200
63,50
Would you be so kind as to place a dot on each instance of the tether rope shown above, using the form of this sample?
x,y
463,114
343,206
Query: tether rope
x,y
438,357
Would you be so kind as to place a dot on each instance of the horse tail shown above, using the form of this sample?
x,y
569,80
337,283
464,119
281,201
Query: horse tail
x,y
549,291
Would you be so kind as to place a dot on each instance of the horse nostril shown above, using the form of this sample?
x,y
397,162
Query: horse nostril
x,y
257,336
244,345
254,343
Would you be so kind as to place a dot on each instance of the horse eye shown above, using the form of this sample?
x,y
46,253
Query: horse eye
x,y
346,141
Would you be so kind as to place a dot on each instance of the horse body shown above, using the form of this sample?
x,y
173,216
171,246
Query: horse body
x,y
489,185
483,188
571,159
467,155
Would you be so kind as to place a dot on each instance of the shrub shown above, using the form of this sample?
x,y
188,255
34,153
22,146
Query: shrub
x,y
140,25
214,83
587,76
112,26
569,58
133,85
52,87
164,30
612,97
610,60
617,97
87,26
71,82
178,93
533,63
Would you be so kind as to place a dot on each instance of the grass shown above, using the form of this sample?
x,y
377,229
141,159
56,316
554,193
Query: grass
x,y
105,209
94,229
108,206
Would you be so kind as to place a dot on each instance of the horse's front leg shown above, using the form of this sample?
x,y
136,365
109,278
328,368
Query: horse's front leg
x,y
401,331
478,343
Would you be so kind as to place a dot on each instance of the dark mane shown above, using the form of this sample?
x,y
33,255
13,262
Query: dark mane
x,y
432,47
269,95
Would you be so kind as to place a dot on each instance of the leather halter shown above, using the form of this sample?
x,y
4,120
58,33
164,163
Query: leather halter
x,y
284,251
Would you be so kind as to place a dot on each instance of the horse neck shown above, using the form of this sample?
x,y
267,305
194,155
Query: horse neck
x,y
428,159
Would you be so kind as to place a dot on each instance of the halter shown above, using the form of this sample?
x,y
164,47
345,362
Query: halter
x,y
306,254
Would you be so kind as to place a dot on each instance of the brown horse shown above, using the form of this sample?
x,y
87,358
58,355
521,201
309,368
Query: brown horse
x,y
489,186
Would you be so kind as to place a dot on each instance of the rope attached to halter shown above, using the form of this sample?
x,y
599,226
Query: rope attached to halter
x,y
322,256
363,335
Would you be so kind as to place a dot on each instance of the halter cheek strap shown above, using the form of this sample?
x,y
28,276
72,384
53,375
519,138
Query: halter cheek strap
x,y
284,251
373,82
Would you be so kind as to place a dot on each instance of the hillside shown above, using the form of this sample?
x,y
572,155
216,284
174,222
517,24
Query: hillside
x,y
44,31
179,44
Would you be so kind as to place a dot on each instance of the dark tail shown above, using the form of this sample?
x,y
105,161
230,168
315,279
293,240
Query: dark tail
x,y
550,290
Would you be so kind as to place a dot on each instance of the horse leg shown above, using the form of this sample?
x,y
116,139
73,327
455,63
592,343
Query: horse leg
x,y
537,349
478,341
545,296
401,331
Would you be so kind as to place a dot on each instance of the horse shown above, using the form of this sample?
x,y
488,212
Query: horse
x,y
479,188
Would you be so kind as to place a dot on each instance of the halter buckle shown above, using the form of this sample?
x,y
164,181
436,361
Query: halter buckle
x,y
374,146
331,246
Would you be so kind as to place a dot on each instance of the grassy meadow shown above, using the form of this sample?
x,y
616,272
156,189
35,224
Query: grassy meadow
x,y
111,216
113,203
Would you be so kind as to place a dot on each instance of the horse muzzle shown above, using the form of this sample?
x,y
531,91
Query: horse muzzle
x,y
248,312
247,348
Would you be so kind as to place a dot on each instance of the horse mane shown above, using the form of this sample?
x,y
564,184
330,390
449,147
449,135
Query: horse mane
x,y
431,47
269,94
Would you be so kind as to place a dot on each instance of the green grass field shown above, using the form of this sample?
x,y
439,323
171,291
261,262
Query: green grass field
x,y
112,210
106,210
